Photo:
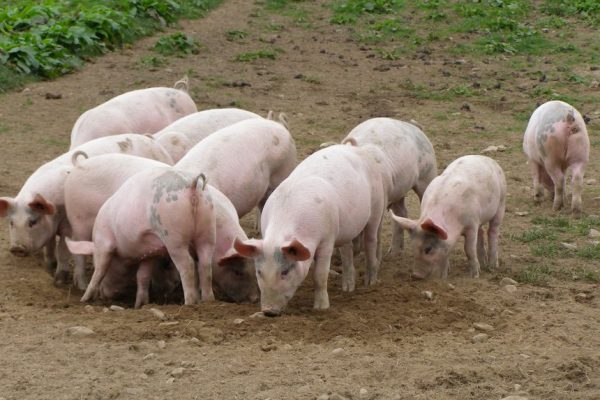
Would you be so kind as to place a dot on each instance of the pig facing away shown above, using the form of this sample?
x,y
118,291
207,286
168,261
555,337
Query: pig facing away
x,y
139,111
37,214
246,161
329,199
155,213
470,193
411,162
556,140
179,137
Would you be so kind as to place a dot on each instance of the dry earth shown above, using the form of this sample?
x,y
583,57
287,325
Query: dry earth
x,y
395,343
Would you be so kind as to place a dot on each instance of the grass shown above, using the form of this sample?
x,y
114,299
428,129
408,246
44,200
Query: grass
x,y
12,80
256,55
152,62
236,35
178,44
542,274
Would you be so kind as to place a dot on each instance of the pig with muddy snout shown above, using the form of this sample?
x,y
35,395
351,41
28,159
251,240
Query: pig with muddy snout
x,y
470,193
556,140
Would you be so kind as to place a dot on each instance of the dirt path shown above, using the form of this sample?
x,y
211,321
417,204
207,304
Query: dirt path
x,y
395,343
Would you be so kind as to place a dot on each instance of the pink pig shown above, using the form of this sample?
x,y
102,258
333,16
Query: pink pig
x,y
37,215
155,213
411,162
92,182
139,111
329,199
245,161
468,194
183,134
556,140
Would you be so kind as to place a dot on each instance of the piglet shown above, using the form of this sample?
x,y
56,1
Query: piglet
x,y
179,137
139,111
329,199
556,140
470,193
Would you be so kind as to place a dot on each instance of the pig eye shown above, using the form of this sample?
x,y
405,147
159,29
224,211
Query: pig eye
x,y
428,249
238,273
32,222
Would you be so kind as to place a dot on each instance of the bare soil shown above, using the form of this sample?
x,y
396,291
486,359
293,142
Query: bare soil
x,y
396,344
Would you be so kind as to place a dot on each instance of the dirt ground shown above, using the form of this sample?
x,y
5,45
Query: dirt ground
x,y
395,343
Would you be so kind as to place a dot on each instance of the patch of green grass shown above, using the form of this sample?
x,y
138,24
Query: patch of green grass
x,y
591,252
256,55
589,10
152,62
11,79
311,79
178,44
236,35
532,235
538,275
349,11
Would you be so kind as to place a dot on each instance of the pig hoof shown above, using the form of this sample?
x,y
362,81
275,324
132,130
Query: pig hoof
x,y
61,277
577,213
348,286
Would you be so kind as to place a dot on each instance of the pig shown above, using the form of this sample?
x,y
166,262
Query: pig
x,y
411,160
556,140
37,214
330,198
246,161
139,111
155,213
470,193
183,134
92,182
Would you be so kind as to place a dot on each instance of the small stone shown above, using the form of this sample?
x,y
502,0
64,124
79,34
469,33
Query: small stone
x,y
116,308
196,341
507,281
525,356
521,213
80,331
451,286
480,326
594,233
363,392
428,294
149,356
178,372
590,181
507,313
258,314
170,323
105,309
143,376
510,288
188,364
338,352
266,347
170,381
89,308
158,314
489,149
238,321
480,338
287,347
53,96
133,391
514,397
569,246
581,296
323,397
161,344
517,387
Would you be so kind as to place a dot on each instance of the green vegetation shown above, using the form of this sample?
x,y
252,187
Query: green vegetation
x,y
51,37
255,55
236,35
541,275
178,44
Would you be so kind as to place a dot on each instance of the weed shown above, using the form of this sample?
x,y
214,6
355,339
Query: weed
x,y
178,44
152,62
236,35
538,275
348,11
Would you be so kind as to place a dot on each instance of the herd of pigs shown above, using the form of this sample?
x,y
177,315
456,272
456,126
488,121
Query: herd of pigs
x,y
160,207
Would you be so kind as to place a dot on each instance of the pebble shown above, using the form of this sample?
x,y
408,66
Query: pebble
x,y
105,309
258,314
133,390
510,288
521,213
268,347
323,397
170,323
158,314
89,308
287,347
581,296
178,372
525,356
188,364
428,294
493,149
590,181
480,338
238,321
451,286
116,308
338,352
480,326
170,381
507,281
161,344
594,233
513,397
80,331
568,246
517,387
149,356
507,313
363,392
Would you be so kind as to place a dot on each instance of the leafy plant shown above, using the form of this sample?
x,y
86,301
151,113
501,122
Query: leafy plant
x,y
177,44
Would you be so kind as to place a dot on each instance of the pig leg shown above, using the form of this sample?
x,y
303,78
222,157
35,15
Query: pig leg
x,y
538,189
322,261
577,185
481,246
62,267
101,264
348,273
471,250
370,242
185,266
143,278
50,255
79,280
398,233
558,178
493,232
205,253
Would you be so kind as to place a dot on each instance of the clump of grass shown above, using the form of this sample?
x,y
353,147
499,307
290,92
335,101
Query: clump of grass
x,y
349,11
532,235
236,35
178,44
255,55
152,62
538,275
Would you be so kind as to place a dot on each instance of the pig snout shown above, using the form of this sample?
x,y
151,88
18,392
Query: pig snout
x,y
19,251
271,312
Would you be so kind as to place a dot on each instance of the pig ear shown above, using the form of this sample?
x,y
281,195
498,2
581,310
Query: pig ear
x,y
248,248
81,248
39,204
6,203
296,251
230,258
430,226
404,223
